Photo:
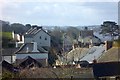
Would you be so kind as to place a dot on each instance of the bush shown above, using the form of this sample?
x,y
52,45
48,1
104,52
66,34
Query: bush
x,y
7,75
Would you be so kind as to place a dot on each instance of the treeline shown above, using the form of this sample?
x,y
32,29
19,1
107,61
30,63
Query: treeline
x,y
17,27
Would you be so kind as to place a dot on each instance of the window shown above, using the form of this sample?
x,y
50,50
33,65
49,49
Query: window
x,y
40,37
45,38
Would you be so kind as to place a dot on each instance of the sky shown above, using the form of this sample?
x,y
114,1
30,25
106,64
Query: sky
x,y
58,12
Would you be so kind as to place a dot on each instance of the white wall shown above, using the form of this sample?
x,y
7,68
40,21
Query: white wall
x,y
13,59
42,41
28,40
13,35
34,56
9,59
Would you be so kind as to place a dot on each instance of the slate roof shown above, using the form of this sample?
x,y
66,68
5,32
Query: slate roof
x,y
88,39
9,51
94,52
29,62
103,38
106,69
23,49
7,66
33,31
110,55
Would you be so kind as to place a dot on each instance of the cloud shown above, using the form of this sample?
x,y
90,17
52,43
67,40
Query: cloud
x,y
56,13
67,0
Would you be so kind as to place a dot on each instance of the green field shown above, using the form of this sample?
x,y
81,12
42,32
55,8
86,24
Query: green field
x,y
7,35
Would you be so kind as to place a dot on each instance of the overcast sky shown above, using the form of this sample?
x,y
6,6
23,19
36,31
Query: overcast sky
x,y
71,13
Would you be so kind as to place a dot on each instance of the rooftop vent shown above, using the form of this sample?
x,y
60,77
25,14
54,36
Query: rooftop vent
x,y
27,49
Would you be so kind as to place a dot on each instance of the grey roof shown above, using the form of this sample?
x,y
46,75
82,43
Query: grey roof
x,y
94,53
28,35
23,49
9,51
33,31
88,39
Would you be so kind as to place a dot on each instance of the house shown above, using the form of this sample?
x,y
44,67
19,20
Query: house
x,y
8,54
30,49
18,38
88,38
85,33
37,34
67,43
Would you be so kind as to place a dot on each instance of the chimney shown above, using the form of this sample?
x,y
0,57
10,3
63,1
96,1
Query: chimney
x,y
34,26
35,47
16,44
40,27
108,45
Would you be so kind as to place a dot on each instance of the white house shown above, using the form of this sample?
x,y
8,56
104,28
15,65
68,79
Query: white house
x,y
37,34
18,38
31,49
